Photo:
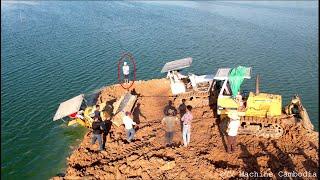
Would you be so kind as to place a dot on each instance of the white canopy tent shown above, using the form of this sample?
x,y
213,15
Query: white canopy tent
x,y
223,74
177,64
68,107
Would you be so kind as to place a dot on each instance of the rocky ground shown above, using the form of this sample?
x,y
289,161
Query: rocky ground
x,y
294,154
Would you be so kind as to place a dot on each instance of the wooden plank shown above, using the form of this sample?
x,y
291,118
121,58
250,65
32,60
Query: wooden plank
x,y
117,104
117,119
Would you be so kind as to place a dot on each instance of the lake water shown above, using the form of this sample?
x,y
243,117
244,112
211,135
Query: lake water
x,y
52,51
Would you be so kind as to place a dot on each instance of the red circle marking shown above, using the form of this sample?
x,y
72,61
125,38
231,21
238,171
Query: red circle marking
x,y
120,62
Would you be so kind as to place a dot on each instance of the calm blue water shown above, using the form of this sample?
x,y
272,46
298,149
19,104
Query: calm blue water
x,y
52,51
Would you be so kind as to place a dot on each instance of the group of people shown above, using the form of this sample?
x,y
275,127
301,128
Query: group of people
x,y
171,118
169,121
100,128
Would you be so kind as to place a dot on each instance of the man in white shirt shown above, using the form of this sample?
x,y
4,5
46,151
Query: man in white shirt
x,y
128,124
126,70
232,131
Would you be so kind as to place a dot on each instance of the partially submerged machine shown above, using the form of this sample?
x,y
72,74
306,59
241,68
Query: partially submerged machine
x,y
80,113
262,113
194,88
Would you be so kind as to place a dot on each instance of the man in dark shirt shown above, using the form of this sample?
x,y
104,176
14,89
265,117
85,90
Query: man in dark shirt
x,y
106,126
96,132
182,111
170,110
97,112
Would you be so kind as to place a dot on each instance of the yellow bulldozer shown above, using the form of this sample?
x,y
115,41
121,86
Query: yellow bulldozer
x,y
261,114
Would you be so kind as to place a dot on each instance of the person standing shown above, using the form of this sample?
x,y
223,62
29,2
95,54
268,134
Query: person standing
x,y
96,112
169,121
186,119
126,70
240,101
96,132
182,111
170,109
106,126
128,124
232,131
137,113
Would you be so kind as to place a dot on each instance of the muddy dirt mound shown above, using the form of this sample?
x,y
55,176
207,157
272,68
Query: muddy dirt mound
x,y
295,154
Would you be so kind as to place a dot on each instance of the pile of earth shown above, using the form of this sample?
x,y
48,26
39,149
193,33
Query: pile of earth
x,y
294,154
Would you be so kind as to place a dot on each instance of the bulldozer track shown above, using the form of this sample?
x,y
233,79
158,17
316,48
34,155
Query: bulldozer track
x,y
272,127
127,152
194,100
193,94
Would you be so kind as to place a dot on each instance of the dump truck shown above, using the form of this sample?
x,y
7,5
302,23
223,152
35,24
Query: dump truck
x,y
262,114
114,109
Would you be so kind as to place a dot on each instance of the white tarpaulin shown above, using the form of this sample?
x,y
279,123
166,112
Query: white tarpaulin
x,y
203,78
68,107
223,73
177,64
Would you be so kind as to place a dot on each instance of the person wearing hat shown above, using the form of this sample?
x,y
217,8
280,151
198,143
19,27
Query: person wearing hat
x,y
126,70
96,132
232,131
240,102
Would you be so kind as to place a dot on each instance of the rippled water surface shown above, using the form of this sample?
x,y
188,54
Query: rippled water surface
x,y
52,51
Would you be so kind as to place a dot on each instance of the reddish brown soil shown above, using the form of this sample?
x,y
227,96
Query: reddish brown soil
x,y
205,158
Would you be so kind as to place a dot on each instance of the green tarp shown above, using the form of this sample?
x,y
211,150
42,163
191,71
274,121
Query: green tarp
x,y
236,78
